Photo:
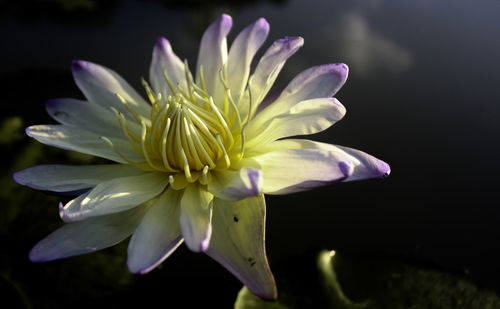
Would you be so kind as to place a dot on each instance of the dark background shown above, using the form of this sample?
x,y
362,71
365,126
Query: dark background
x,y
422,95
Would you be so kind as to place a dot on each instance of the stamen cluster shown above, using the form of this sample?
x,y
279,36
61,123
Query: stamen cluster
x,y
187,133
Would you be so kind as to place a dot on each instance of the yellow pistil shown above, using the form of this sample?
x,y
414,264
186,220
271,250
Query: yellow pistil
x,y
188,134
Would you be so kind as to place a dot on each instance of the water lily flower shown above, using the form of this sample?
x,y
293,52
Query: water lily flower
x,y
193,164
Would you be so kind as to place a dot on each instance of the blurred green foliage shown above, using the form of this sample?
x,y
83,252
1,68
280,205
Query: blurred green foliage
x,y
26,215
343,281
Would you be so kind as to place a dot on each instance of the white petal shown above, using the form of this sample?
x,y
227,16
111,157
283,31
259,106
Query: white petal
x,y
317,82
87,236
196,216
241,54
76,139
236,185
292,170
213,54
65,178
360,164
158,235
100,86
164,59
238,243
268,68
88,116
306,117
115,195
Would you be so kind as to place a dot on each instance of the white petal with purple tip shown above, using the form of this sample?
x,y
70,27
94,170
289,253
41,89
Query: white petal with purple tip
x,y
158,235
100,86
241,54
364,166
87,236
238,243
166,61
292,170
236,185
368,167
213,54
267,71
88,116
306,117
116,195
321,81
196,217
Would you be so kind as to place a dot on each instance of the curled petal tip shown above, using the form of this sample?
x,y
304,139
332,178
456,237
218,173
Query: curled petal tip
x,y
343,66
345,168
225,20
262,22
205,244
385,169
77,65
28,131
17,178
162,44
225,17
292,39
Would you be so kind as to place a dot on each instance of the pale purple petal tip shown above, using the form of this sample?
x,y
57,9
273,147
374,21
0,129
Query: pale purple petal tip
x,y
33,256
291,42
17,178
385,169
78,65
225,18
343,70
263,24
255,177
345,168
162,44
205,244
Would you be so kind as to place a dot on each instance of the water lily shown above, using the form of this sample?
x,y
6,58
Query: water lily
x,y
193,164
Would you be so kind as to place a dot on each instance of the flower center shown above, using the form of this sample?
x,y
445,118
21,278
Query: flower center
x,y
187,133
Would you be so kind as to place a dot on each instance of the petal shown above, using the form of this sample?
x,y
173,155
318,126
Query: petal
x,y
306,117
238,243
292,170
317,82
236,185
213,54
241,54
100,86
359,165
87,236
368,166
158,235
88,116
66,178
76,139
115,195
267,70
164,59
196,216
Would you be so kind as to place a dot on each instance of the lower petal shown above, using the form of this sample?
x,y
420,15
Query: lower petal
x,y
196,217
293,170
115,195
236,185
158,235
237,243
87,236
